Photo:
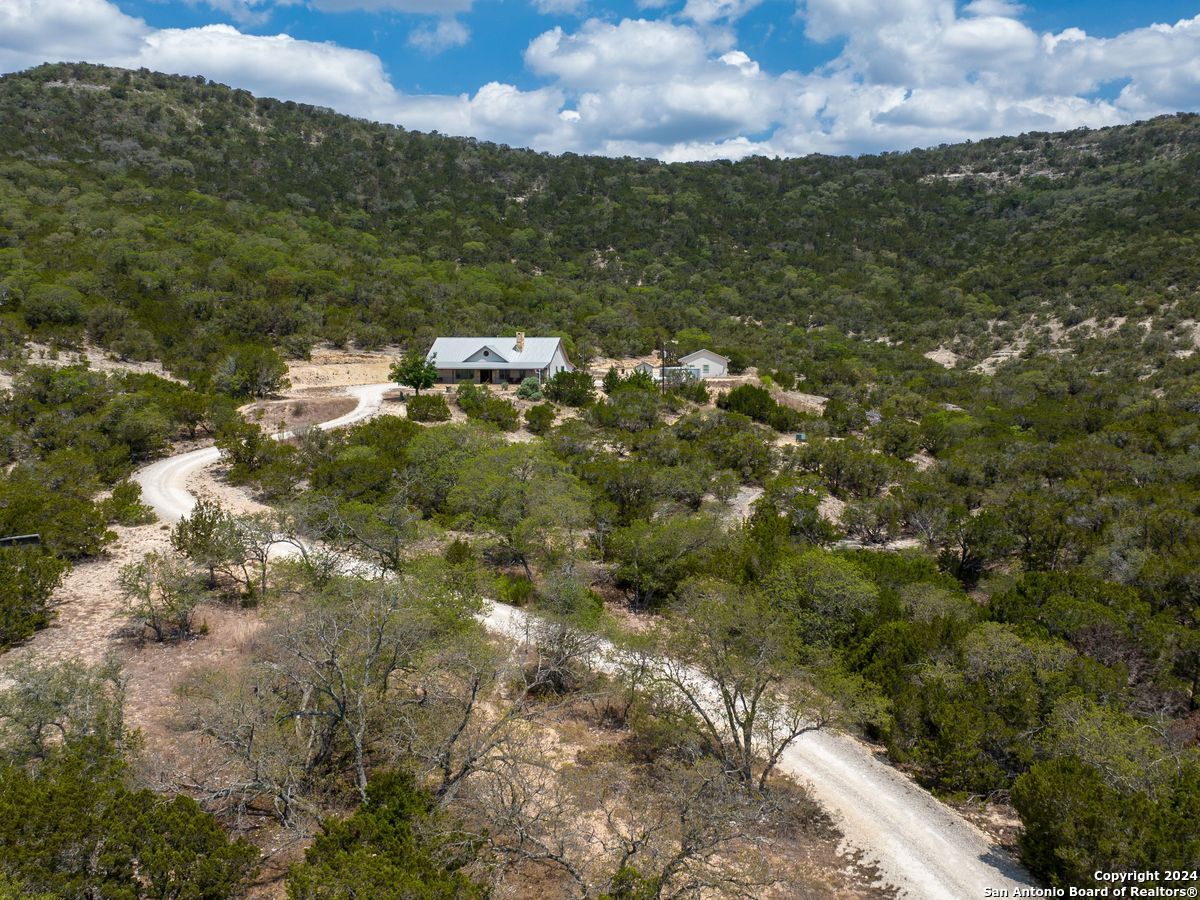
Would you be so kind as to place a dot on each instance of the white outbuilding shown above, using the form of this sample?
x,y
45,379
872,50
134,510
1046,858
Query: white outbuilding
x,y
706,363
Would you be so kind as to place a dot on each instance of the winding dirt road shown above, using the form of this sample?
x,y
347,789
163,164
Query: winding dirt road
x,y
164,483
919,845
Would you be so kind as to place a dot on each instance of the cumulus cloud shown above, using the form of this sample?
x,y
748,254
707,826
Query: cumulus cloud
x,y
915,73
37,31
255,12
677,85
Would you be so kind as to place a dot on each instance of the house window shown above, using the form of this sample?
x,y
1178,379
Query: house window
x,y
464,375
706,368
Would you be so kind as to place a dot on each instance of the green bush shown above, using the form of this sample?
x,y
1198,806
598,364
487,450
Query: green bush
x,y
53,305
391,849
692,389
749,400
514,591
530,389
571,388
758,404
28,577
251,371
72,828
125,507
480,404
539,419
429,408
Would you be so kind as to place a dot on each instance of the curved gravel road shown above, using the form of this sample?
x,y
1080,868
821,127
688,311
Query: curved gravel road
x,y
919,845
164,482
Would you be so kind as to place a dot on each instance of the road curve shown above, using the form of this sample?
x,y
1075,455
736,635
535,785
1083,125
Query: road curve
x,y
920,846
164,483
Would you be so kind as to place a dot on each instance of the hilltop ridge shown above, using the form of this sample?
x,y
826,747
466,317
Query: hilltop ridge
x,y
352,230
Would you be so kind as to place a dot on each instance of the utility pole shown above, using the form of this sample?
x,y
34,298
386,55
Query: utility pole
x,y
662,363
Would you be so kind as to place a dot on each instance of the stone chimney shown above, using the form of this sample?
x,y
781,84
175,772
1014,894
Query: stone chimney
x,y
520,342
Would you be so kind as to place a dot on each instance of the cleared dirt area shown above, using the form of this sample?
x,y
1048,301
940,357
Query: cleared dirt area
x,y
943,356
300,410
341,368
800,401
95,357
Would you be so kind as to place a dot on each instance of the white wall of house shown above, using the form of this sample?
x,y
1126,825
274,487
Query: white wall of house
x,y
559,363
709,364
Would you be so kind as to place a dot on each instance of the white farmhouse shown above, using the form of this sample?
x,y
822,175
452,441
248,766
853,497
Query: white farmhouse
x,y
706,363
492,360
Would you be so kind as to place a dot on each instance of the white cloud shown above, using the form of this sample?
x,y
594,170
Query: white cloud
x,y
445,34
708,11
560,7
993,8
271,65
246,12
428,7
37,31
636,51
909,73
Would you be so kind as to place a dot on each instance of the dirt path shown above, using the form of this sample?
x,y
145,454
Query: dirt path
x,y
164,483
89,619
920,845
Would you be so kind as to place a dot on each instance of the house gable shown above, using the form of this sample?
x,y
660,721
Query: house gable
x,y
487,353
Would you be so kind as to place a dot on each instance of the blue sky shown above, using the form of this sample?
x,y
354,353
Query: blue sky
x,y
675,79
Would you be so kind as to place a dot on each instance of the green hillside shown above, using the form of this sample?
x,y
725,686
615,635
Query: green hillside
x,y
984,555
201,213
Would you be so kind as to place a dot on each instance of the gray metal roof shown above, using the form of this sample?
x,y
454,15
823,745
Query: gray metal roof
x,y
701,352
453,352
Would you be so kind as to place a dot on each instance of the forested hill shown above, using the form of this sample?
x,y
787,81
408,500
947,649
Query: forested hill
x,y
167,216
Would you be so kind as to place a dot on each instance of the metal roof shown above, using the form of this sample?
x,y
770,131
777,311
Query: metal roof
x,y
453,352
703,352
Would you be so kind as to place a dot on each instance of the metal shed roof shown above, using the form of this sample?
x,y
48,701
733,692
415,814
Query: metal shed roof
x,y
697,354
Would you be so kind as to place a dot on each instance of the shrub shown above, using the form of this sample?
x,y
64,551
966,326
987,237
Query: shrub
x,y
530,389
539,419
459,552
785,419
628,409
251,371
749,400
571,388
514,591
28,576
395,845
479,404
692,389
162,593
72,828
53,304
125,507
428,408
